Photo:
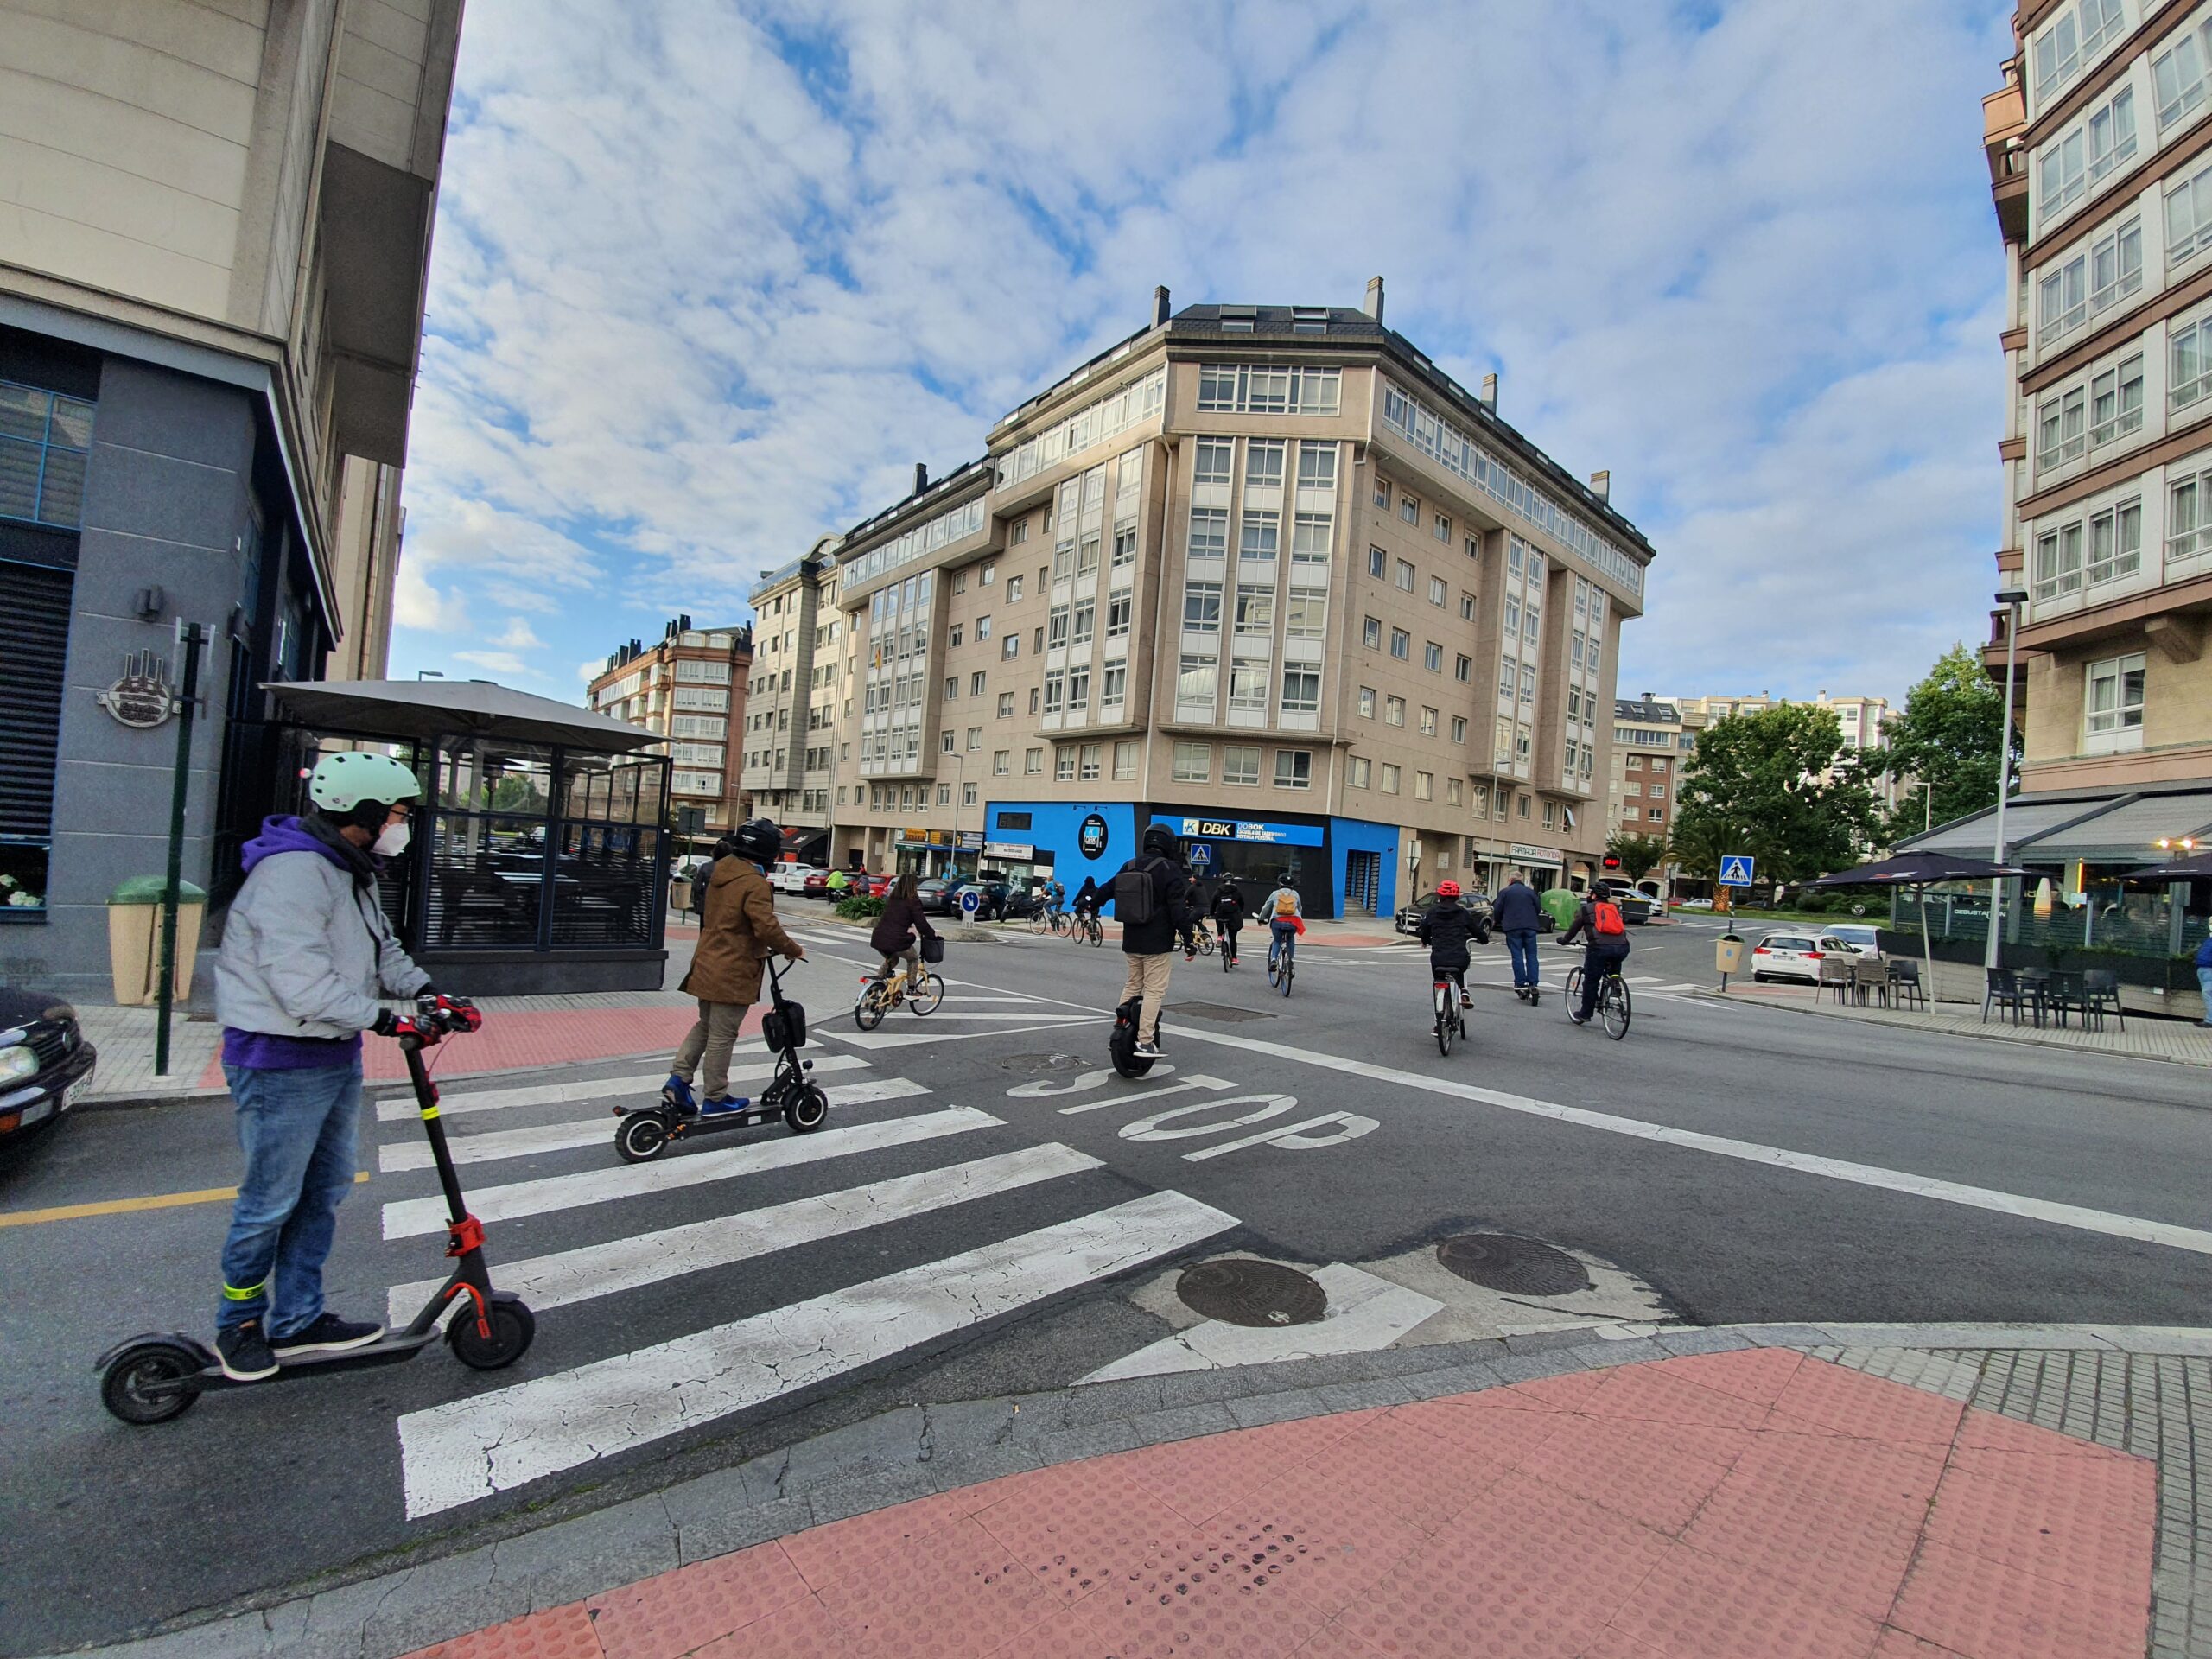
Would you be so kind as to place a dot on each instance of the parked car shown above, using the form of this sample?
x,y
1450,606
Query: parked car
x,y
1408,914
936,893
1787,956
45,1062
992,896
816,885
1859,938
789,878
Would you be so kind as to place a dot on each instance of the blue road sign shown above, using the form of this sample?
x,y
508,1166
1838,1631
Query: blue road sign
x,y
1199,855
970,901
1736,872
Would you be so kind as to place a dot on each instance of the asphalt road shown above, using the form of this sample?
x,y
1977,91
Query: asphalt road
x,y
983,1202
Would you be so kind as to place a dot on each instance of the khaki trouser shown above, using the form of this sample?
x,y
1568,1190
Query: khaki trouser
x,y
710,1040
1148,978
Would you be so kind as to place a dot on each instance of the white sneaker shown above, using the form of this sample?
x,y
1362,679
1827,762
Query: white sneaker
x,y
1148,1051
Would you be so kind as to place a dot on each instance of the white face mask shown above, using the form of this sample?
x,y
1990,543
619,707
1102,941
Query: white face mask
x,y
393,841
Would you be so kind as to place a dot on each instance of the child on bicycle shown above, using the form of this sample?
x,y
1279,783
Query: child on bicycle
x,y
1445,927
1285,913
1597,923
894,938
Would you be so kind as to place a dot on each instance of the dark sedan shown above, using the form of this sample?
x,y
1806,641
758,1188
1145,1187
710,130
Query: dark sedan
x,y
1411,913
935,892
45,1062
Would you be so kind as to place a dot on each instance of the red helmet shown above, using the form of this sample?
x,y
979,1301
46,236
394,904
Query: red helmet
x,y
1447,889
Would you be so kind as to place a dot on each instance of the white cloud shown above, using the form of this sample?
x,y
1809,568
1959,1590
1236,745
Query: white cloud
x,y
709,278
501,662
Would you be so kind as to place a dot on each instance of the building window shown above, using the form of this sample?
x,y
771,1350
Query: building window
x,y
1390,779
1409,510
45,441
1312,536
1263,463
1086,624
1424,786
1551,814
1301,691
1317,467
1192,763
1215,457
2114,703
1056,690
1125,759
1366,702
1401,644
1406,574
1370,632
1002,762
1196,680
2071,41
2062,428
1443,528
1463,668
1432,657
1458,728
974,739
1466,607
1209,532
1091,756
1293,768
1012,590
1378,562
1125,545
2178,77
1360,770
1383,493
1255,610
950,742
1453,790
1306,616
1522,806
1006,705
1439,590
1118,616
1394,711
1033,762
2058,561
1202,607
2191,376
1078,690
1011,649
1063,763
945,794
2115,543
2189,217
1257,389
1427,721
2189,527
952,685
1248,687
1115,688
982,627
1261,532
1240,764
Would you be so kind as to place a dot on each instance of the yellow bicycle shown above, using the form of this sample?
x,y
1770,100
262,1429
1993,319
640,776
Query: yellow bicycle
x,y
917,989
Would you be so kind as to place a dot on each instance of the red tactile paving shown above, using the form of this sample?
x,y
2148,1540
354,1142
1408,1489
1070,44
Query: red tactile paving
x,y
510,1041
1753,1504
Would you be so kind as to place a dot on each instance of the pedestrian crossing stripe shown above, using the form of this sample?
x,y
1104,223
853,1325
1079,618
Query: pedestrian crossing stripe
x,y
475,1447
401,1106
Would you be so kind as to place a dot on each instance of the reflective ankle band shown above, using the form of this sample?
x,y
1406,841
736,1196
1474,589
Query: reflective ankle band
x,y
232,1293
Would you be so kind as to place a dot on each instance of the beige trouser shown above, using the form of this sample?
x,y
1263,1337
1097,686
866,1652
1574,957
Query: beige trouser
x,y
910,959
1148,977
710,1040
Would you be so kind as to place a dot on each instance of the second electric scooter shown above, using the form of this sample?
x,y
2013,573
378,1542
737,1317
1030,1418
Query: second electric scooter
x,y
643,1132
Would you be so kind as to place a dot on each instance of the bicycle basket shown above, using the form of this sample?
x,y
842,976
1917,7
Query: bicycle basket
x,y
785,1026
933,950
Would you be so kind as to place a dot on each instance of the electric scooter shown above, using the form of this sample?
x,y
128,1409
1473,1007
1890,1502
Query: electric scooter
x,y
154,1378
643,1132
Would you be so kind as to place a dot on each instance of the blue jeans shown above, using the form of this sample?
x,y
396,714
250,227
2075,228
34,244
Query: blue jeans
x,y
2205,984
1597,961
1281,937
297,1131
1522,942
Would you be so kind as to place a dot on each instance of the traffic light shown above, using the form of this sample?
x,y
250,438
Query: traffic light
x,y
1611,860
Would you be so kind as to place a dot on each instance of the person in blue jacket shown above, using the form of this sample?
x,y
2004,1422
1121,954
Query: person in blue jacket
x,y
1516,913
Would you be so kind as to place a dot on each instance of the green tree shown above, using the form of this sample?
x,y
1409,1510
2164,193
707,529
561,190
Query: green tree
x,y
1948,738
1639,854
1778,784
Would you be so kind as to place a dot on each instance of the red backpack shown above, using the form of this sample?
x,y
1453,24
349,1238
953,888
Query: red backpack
x,y
1606,919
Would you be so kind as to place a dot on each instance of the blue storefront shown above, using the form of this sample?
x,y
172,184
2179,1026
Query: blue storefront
x,y
1340,866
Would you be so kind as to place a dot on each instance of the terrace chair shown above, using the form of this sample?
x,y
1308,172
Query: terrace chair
x,y
2035,988
1905,982
2004,991
1836,975
2100,991
1870,979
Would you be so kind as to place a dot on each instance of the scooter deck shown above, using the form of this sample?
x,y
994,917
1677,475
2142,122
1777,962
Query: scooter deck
x,y
693,1123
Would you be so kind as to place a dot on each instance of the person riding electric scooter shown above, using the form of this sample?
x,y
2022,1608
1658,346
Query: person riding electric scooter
x,y
739,924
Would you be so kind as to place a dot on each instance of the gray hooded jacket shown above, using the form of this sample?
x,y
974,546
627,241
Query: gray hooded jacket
x,y
307,950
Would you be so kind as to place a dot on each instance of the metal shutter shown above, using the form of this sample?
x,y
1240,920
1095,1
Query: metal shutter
x,y
34,647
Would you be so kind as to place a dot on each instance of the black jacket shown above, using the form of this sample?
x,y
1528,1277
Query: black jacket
x,y
894,929
1175,904
1228,908
1445,927
1514,909
1585,927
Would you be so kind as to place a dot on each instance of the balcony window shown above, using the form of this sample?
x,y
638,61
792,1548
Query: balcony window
x,y
2178,77
2062,428
2114,703
2116,402
2112,134
2058,561
2189,529
1261,535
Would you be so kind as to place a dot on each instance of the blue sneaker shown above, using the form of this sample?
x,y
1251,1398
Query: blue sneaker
x,y
715,1103
677,1093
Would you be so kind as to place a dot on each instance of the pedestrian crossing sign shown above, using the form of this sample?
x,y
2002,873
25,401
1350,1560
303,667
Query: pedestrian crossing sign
x,y
1736,872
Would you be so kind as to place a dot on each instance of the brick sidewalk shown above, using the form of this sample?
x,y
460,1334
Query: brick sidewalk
x,y
2146,1036
1757,1503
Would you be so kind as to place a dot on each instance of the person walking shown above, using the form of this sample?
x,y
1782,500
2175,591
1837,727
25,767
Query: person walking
x,y
738,926
1516,913
1151,896
894,936
1228,913
1598,924
305,954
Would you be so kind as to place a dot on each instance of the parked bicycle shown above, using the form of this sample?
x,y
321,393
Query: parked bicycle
x,y
1614,1003
916,988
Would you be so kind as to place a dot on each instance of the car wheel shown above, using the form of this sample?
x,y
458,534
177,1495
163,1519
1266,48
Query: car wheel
x,y
1759,979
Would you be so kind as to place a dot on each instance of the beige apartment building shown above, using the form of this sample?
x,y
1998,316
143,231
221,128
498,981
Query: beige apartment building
x,y
215,222
689,686
1652,745
799,690
1264,574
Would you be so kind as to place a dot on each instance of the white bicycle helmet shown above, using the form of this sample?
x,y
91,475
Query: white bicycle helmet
x,y
342,782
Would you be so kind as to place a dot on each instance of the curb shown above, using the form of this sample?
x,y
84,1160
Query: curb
x,y
919,1451
2023,1036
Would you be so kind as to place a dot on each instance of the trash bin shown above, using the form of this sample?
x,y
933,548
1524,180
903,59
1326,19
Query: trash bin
x,y
134,938
679,893
1728,954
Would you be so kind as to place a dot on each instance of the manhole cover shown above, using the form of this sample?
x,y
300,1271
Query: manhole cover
x,y
1222,1013
1237,1290
1501,1261
1042,1064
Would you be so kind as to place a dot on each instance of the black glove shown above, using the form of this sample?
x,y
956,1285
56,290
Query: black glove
x,y
387,1023
427,988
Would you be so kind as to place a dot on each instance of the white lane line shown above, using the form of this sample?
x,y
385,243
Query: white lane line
x,y
2136,1228
1363,1313
596,1131
641,1259
407,1218
553,1093
469,1449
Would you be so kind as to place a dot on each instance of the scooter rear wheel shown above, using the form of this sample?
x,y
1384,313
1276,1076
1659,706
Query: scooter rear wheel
x,y
148,1384
808,1111
641,1136
512,1326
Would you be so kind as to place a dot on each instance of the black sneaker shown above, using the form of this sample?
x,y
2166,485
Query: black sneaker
x,y
244,1354
328,1335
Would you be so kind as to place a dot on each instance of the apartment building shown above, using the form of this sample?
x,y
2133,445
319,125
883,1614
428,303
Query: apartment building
x,y
1262,574
798,691
218,222
1651,747
689,686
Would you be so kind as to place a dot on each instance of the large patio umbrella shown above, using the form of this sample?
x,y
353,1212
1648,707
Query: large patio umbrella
x,y
1921,871
2197,869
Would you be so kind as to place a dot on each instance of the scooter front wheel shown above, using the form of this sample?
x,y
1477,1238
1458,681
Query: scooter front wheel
x,y
808,1111
512,1326
150,1383
641,1136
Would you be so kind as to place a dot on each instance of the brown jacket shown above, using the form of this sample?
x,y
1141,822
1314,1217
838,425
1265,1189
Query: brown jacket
x,y
738,925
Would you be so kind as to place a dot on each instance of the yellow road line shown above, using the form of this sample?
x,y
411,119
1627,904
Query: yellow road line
x,y
123,1206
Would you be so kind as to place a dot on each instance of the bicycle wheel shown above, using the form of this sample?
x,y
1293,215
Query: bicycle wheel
x,y
1572,990
926,993
1274,966
1036,924
1205,941
868,1012
1445,1011
1289,970
1097,933
1615,1007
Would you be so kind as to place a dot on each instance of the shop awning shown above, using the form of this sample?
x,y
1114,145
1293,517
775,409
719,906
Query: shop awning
x,y
2122,826
434,709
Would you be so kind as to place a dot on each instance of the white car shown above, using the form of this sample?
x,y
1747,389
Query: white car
x,y
1787,956
1859,938
789,878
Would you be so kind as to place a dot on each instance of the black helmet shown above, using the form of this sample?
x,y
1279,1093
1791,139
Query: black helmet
x,y
1159,838
758,839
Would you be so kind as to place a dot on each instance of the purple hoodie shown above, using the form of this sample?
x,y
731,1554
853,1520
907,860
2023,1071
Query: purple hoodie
x,y
259,1050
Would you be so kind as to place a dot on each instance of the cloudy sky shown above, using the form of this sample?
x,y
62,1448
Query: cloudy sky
x,y
710,276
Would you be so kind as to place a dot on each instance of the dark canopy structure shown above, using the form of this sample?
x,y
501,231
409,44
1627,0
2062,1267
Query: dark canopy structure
x,y
430,708
1921,870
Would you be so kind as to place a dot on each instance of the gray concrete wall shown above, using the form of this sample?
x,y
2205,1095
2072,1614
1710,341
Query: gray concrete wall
x,y
167,499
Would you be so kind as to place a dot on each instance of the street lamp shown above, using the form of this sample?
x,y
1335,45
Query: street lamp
x,y
1928,801
430,674
2011,599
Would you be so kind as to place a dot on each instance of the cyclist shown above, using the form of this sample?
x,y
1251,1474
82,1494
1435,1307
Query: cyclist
x,y
1597,923
1445,927
739,922
1055,896
1228,913
1152,897
894,938
1285,913
1518,916
1086,899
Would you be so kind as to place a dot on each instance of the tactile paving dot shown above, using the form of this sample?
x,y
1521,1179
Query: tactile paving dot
x,y
1653,1394
1758,1375
1958,1601
2094,1532
663,1617
1693,1604
1073,1532
1849,1403
957,1581
556,1633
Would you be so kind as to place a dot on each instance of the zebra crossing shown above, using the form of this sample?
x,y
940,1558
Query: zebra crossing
x,y
597,1231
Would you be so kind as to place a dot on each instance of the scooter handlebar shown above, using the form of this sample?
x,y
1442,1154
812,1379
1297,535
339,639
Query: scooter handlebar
x,y
436,1014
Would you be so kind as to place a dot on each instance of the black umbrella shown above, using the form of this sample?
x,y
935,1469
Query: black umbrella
x,y
1920,871
2198,868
